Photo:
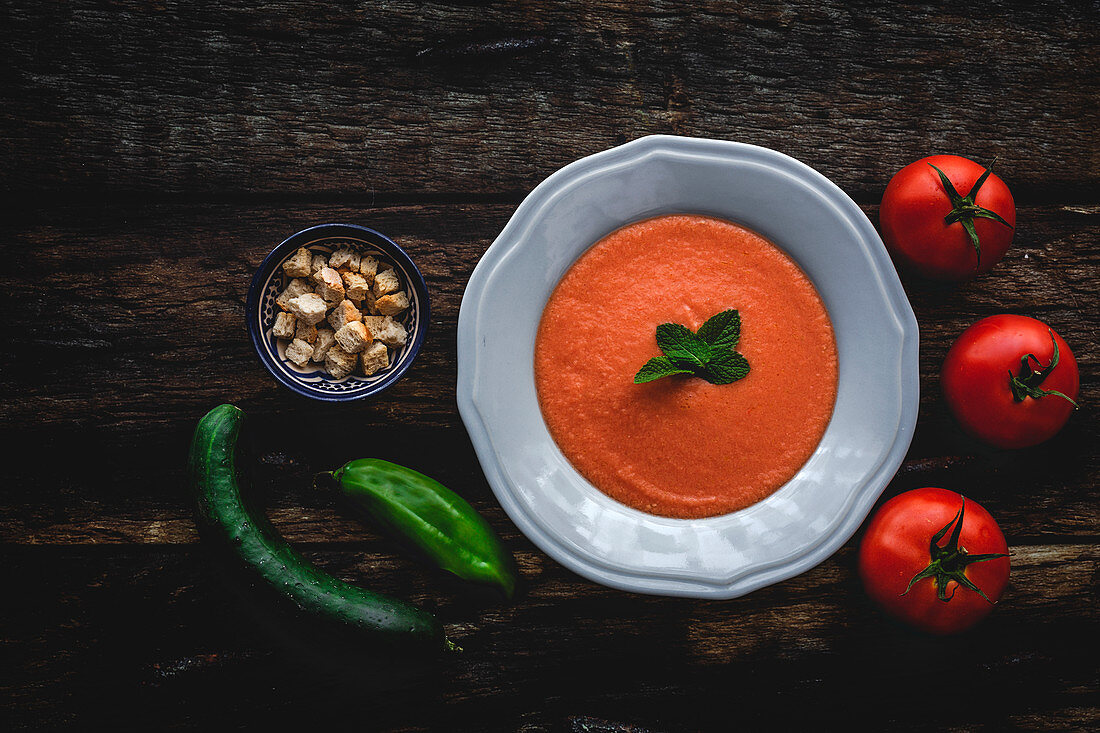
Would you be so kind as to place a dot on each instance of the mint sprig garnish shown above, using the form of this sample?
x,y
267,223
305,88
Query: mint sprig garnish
x,y
708,353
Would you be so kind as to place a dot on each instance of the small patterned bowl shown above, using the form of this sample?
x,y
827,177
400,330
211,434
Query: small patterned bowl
x,y
313,381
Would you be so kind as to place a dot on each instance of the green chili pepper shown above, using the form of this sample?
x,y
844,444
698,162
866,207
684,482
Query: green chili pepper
x,y
436,520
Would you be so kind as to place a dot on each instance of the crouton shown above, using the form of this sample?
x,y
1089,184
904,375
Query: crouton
x,y
344,258
368,267
355,286
331,287
340,363
352,265
355,262
386,330
374,357
298,264
317,263
368,304
284,326
294,288
325,339
339,257
385,283
309,307
306,333
343,313
392,304
299,352
353,337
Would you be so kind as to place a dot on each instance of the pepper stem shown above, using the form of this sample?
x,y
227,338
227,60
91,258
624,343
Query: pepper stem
x,y
949,562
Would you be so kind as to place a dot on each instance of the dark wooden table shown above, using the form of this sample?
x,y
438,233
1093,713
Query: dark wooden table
x,y
154,152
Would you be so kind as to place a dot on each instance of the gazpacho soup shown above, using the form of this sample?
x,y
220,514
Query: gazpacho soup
x,y
667,415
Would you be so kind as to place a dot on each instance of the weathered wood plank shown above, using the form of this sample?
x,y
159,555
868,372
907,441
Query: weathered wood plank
x,y
324,97
145,312
139,297
120,636
1039,497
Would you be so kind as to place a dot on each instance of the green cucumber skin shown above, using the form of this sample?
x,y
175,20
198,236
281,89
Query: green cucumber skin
x,y
224,517
439,522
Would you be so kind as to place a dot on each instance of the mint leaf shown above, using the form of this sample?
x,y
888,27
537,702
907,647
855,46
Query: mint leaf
x,y
707,354
722,329
682,346
657,367
725,367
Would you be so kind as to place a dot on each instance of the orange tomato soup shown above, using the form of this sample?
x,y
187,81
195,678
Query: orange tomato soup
x,y
679,446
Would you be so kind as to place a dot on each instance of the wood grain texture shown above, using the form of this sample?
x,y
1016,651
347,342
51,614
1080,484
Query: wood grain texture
x,y
325,97
167,343
117,507
150,300
115,636
154,152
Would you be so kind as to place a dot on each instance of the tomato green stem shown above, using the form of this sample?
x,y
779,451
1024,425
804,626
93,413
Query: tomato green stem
x,y
964,210
950,561
1026,384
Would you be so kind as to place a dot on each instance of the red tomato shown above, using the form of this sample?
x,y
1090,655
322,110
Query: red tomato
x,y
1010,381
917,207
909,564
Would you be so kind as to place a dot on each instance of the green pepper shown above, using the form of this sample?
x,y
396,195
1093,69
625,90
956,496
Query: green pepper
x,y
436,520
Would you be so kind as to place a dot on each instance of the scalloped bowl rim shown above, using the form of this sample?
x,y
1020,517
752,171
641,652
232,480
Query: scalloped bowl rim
x,y
710,570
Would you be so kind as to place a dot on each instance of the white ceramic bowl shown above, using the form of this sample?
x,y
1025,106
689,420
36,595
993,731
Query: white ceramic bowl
x,y
798,209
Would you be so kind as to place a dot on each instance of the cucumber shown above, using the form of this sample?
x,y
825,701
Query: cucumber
x,y
435,520
269,564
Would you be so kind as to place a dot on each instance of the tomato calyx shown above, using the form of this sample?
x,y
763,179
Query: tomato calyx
x,y
950,561
964,210
1026,383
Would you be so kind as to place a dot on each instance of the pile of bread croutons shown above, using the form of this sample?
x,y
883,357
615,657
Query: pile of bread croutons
x,y
359,296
